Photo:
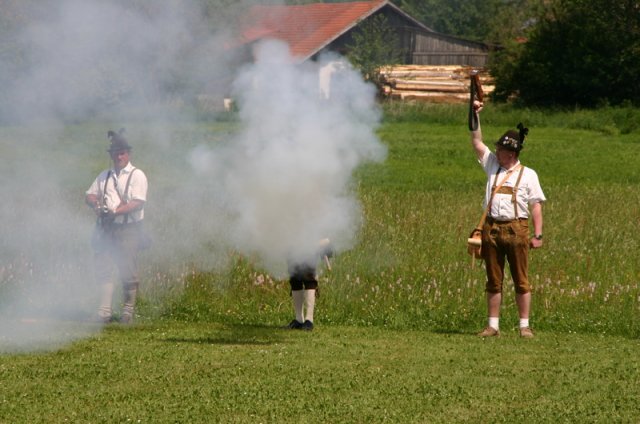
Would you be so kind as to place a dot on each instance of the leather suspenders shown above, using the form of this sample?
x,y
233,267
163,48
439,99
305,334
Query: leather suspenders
x,y
126,189
494,190
513,190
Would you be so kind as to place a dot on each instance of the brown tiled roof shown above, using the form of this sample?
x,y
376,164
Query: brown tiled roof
x,y
306,28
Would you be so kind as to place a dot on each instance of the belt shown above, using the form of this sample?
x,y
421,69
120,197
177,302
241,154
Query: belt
x,y
125,224
497,221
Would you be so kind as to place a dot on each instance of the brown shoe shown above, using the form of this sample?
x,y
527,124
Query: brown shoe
x,y
526,333
489,332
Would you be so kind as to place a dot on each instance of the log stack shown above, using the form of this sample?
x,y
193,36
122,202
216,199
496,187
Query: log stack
x,y
431,83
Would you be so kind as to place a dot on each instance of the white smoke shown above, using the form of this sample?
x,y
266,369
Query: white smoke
x,y
45,281
271,189
64,61
287,176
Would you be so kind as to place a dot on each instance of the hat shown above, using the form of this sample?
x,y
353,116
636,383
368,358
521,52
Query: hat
x,y
118,142
513,140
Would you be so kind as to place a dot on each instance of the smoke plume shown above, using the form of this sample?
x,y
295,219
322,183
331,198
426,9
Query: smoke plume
x,y
286,177
269,188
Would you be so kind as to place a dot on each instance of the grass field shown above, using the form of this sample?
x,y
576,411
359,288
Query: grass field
x,y
396,317
208,372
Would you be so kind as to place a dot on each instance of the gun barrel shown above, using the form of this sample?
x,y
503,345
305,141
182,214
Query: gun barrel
x,y
475,80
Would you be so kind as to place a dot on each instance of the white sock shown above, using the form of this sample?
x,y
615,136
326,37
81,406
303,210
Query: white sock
x,y
524,322
310,303
129,299
298,302
106,297
494,322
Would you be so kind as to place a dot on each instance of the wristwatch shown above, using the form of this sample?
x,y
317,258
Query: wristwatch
x,y
538,237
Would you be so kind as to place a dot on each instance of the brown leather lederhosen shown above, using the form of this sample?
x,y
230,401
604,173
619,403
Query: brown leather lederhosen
x,y
506,240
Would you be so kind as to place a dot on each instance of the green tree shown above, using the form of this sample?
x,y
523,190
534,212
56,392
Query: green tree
x,y
375,46
581,52
510,27
463,18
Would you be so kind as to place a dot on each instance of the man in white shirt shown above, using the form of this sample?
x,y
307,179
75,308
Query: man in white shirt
x,y
505,233
117,197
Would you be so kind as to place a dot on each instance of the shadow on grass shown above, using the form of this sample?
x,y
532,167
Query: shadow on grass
x,y
452,331
239,334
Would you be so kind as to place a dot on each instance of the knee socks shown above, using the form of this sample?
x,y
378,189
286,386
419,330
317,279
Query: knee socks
x,y
298,303
106,297
304,302
129,293
309,303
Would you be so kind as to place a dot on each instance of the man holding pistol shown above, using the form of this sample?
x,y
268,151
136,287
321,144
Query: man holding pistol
x,y
117,196
513,193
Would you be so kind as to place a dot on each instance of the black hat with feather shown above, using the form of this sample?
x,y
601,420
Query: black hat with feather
x,y
118,142
513,140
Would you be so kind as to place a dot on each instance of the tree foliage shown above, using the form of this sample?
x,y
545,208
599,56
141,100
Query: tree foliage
x,y
580,52
510,27
375,46
567,52
463,18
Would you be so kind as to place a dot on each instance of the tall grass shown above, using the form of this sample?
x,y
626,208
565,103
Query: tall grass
x,y
606,119
409,267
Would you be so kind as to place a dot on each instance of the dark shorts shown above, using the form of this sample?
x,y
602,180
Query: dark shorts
x,y
302,276
506,242
117,245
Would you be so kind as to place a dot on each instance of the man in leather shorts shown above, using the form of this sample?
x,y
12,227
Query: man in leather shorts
x,y
505,234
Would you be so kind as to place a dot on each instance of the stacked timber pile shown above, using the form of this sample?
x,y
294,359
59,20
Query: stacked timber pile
x,y
432,83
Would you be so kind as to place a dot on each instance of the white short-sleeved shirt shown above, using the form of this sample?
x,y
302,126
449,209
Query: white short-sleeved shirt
x,y
528,193
115,188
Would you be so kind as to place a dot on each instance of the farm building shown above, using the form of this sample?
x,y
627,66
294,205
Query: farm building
x,y
434,66
313,28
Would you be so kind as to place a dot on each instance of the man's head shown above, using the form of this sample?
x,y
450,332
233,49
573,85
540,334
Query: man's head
x,y
118,149
513,140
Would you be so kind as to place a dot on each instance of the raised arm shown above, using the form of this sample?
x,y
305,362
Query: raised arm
x,y
476,136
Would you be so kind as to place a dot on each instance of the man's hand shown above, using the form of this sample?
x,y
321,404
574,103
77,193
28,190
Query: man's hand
x,y
97,209
131,206
535,243
92,201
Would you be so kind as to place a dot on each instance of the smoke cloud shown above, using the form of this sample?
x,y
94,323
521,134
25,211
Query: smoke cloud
x,y
269,188
286,177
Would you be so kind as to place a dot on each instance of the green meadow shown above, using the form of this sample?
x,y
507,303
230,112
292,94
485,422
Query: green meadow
x,y
396,317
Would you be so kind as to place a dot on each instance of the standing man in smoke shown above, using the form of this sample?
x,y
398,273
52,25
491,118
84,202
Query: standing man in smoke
x,y
304,286
512,193
117,196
